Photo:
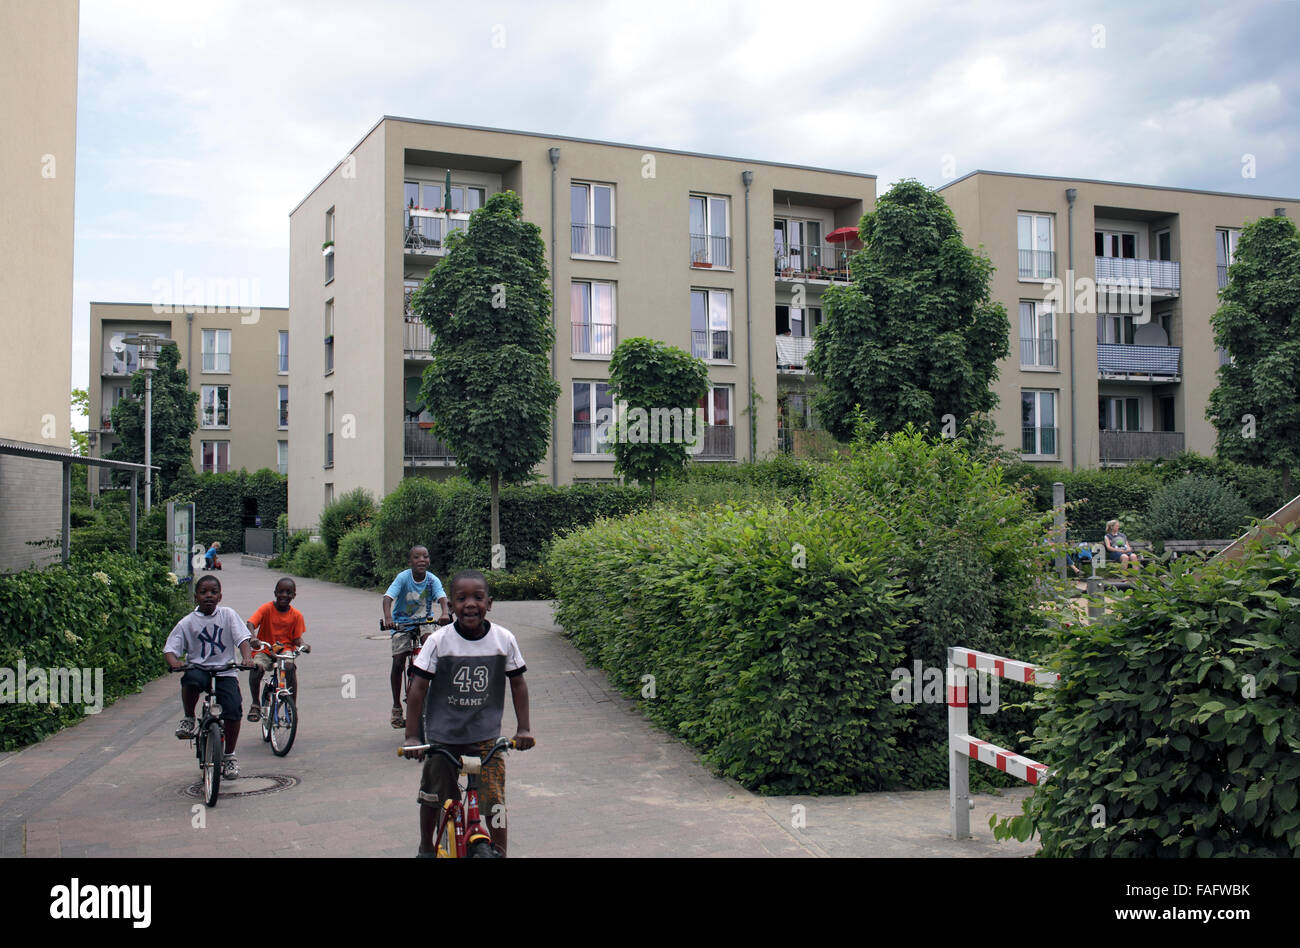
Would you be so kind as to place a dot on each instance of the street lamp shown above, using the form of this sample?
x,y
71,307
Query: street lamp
x,y
150,345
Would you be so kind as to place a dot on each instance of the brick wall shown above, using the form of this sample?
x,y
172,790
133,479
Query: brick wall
x,y
31,495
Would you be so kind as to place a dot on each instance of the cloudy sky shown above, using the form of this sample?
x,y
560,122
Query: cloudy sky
x,y
200,125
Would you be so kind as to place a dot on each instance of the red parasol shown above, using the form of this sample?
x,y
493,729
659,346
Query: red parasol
x,y
842,234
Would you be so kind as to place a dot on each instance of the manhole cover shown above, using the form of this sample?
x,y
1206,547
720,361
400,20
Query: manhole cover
x,y
247,785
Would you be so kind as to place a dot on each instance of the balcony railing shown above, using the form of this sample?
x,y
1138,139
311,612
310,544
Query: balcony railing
x,y
710,251
1223,276
1038,441
1158,274
417,339
1037,264
719,350
792,352
593,240
590,438
426,232
421,446
1154,362
592,338
1123,446
329,449
719,443
811,262
1037,353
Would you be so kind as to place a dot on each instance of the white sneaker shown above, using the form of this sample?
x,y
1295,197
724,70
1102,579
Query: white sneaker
x,y
187,729
230,767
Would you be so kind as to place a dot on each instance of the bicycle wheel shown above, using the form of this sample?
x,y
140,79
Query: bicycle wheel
x,y
212,754
284,724
268,697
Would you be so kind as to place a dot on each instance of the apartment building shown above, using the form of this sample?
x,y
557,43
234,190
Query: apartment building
x,y
237,362
1110,288
719,256
38,115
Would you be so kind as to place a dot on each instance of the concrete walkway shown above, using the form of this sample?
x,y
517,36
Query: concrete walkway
x,y
601,782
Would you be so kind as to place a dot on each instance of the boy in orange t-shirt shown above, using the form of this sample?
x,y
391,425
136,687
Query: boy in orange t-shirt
x,y
278,625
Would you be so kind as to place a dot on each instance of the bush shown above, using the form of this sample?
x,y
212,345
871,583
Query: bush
x,y
1179,717
355,563
108,529
220,502
1196,508
311,559
67,618
531,581
351,511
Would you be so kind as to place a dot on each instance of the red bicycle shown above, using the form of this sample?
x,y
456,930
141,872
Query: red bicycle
x,y
461,833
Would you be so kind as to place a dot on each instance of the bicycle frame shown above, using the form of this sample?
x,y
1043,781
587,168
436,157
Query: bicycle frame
x,y
460,823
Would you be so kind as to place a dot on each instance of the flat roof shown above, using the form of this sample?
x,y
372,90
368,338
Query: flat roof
x,y
1121,184
570,138
199,309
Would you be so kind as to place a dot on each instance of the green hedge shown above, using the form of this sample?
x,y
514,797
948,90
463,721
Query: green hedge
x,y
71,618
1196,508
349,512
219,504
1175,730
355,563
311,560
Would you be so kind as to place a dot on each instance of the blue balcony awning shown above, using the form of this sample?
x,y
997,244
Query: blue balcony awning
x,y
1159,361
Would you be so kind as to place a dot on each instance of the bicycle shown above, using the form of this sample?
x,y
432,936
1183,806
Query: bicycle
x,y
409,628
210,738
461,833
279,714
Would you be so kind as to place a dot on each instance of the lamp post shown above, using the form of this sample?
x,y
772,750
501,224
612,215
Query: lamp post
x,y
150,345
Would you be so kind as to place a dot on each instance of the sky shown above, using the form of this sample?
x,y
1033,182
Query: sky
x,y
200,125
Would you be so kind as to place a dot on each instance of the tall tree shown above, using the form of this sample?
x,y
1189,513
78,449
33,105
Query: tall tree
x,y
661,387
174,419
80,406
1256,405
489,386
914,336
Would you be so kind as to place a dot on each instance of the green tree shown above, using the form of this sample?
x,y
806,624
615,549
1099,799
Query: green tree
x,y
1256,405
80,406
489,386
915,335
174,419
661,386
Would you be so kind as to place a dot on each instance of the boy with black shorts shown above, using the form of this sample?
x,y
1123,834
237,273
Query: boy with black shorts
x,y
463,669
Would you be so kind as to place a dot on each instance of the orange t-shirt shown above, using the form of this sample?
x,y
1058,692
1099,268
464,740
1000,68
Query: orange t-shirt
x,y
277,628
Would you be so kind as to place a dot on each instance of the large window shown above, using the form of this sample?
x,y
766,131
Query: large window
x,y
216,350
1113,243
1225,240
593,410
591,311
282,401
1036,250
797,245
282,353
329,336
591,219
1037,335
720,427
1120,414
216,457
711,325
466,199
710,220
329,429
328,248
1117,330
215,406
1038,423
799,321
282,456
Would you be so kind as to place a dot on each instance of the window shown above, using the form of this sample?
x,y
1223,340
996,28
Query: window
x,y
1037,335
1225,239
216,457
215,406
1034,242
329,494
711,325
593,411
799,322
1119,414
1115,330
710,231
282,456
591,219
283,407
282,353
216,350
125,358
1167,421
329,429
717,407
1164,246
1038,423
591,309
1112,243
719,439
329,336
328,249
466,200
798,246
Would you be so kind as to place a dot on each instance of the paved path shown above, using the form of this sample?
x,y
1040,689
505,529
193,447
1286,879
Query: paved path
x,y
602,781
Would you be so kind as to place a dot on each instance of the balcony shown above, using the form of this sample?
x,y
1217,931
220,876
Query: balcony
x,y
719,443
417,339
1161,276
1121,447
421,448
1037,264
710,251
1039,442
814,262
591,240
592,338
1138,363
718,351
1038,353
792,354
426,231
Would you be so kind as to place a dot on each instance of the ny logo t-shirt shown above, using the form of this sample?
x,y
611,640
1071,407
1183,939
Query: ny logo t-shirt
x,y
209,640
467,692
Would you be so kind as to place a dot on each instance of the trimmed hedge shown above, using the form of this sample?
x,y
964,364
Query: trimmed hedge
x,y
311,560
1175,730
63,618
219,504
1196,508
355,563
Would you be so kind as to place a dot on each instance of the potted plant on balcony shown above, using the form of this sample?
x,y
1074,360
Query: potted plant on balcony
x,y
700,258
327,248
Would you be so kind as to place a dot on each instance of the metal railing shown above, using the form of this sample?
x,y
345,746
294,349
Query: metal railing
x,y
1037,353
329,353
428,232
710,251
329,267
284,415
1116,446
811,262
1158,274
417,339
792,352
1037,264
421,444
591,438
1114,359
593,240
719,443
1038,441
329,449
593,338
719,350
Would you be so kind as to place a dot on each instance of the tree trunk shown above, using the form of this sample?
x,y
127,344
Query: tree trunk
x,y
495,481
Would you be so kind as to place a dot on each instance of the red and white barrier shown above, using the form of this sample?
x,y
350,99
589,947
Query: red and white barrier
x,y
962,747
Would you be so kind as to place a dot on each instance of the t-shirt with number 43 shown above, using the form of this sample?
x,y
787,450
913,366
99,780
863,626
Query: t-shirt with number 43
x,y
467,687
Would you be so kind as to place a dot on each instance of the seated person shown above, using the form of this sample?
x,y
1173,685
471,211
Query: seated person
x,y
1117,546
210,557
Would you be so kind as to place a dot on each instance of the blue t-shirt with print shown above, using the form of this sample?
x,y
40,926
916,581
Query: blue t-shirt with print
x,y
412,600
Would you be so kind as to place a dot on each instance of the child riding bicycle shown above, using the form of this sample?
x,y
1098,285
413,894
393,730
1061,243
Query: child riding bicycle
x,y
411,596
277,625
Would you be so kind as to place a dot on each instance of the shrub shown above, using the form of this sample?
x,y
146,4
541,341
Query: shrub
x,y
531,581
222,500
1196,508
1178,717
355,563
108,529
311,559
350,511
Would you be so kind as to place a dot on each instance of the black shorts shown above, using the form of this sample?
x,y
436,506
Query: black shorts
x,y
226,687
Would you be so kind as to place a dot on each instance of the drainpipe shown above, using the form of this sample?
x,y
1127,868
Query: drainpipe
x,y
189,364
748,178
555,341
1070,195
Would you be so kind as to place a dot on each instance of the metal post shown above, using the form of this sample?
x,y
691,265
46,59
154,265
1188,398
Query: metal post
x,y
67,510
135,487
148,439
1058,504
1095,609
958,763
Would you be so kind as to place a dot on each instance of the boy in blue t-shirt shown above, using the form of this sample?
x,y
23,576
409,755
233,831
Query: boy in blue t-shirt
x,y
411,596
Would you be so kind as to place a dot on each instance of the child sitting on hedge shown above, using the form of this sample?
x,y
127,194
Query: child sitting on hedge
x,y
411,596
277,625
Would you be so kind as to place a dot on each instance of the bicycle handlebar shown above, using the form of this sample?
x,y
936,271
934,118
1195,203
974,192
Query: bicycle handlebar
x,y
211,669
501,744
288,654
406,625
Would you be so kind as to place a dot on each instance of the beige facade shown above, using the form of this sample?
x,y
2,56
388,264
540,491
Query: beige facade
x,y
237,361
1137,271
643,241
38,118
